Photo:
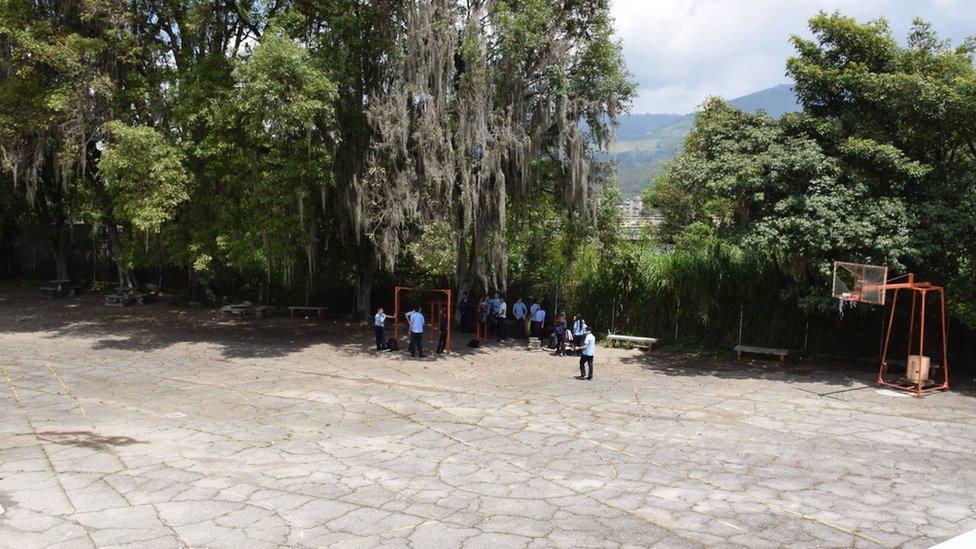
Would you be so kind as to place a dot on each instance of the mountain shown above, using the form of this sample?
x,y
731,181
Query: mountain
x,y
646,141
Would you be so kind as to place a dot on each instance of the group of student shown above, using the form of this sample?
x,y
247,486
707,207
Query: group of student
x,y
492,316
417,321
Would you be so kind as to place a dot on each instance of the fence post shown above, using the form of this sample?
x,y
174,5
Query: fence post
x,y
740,324
677,315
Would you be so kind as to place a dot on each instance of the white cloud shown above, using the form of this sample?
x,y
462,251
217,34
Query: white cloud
x,y
682,51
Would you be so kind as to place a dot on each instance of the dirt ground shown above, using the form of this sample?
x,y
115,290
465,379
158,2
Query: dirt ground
x,y
159,426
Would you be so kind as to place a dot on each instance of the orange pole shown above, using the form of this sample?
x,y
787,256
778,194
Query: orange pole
x,y
884,354
945,343
921,340
911,324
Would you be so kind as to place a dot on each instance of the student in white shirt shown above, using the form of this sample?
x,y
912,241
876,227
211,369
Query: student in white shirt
x,y
417,321
378,322
586,357
502,319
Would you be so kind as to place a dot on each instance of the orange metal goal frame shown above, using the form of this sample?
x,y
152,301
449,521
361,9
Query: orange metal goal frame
x,y
918,289
396,310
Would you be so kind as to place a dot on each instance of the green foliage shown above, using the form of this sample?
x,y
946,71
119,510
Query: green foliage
x,y
436,250
144,175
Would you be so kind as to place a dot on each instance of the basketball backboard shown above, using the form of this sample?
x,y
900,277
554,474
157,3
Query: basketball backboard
x,y
858,282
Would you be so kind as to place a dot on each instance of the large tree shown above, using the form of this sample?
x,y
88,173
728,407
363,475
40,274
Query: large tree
x,y
467,109
900,109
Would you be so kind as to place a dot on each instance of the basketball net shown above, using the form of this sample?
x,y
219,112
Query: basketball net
x,y
846,299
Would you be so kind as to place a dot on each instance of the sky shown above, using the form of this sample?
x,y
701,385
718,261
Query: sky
x,y
682,51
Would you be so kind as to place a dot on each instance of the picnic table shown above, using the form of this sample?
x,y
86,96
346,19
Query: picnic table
x,y
124,297
55,287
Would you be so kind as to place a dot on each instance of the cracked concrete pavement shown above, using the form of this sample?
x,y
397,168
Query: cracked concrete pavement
x,y
164,427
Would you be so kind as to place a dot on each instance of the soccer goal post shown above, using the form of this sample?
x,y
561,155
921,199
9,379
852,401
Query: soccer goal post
x,y
433,302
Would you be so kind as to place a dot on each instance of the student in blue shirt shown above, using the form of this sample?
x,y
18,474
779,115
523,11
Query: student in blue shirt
x,y
518,309
417,321
579,331
538,319
378,323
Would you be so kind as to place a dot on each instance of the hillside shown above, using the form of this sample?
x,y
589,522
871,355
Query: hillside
x,y
646,141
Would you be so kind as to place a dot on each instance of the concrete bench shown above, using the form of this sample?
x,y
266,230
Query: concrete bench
x,y
234,310
50,291
125,299
779,353
117,300
317,310
641,342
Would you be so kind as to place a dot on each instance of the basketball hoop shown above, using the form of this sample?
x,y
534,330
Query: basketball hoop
x,y
857,282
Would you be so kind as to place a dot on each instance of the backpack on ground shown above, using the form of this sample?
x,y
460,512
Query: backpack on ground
x,y
474,344
392,345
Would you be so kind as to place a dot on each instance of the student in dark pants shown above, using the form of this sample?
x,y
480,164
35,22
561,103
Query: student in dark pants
x,y
538,321
518,309
560,330
586,357
417,321
464,312
442,341
378,321
501,321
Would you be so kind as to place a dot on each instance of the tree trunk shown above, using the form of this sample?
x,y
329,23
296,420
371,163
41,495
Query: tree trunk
x,y
126,278
364,282
60,258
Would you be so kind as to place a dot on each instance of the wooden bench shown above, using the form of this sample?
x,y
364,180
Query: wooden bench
x,y
779,353
317,310
641,342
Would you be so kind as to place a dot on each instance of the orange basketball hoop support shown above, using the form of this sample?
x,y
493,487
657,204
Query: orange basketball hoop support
x,y
433,309
920,385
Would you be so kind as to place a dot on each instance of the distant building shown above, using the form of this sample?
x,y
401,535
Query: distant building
x,y
631,208
635,219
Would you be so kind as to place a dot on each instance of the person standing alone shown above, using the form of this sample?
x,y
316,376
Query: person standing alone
x,y
519,311
378,322
417,321
586,357
442,339
464,310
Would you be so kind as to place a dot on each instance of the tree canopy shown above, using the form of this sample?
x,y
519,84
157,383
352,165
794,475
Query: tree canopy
x,y
297,137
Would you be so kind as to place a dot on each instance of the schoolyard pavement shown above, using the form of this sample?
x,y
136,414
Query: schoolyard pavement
x,y
163,427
